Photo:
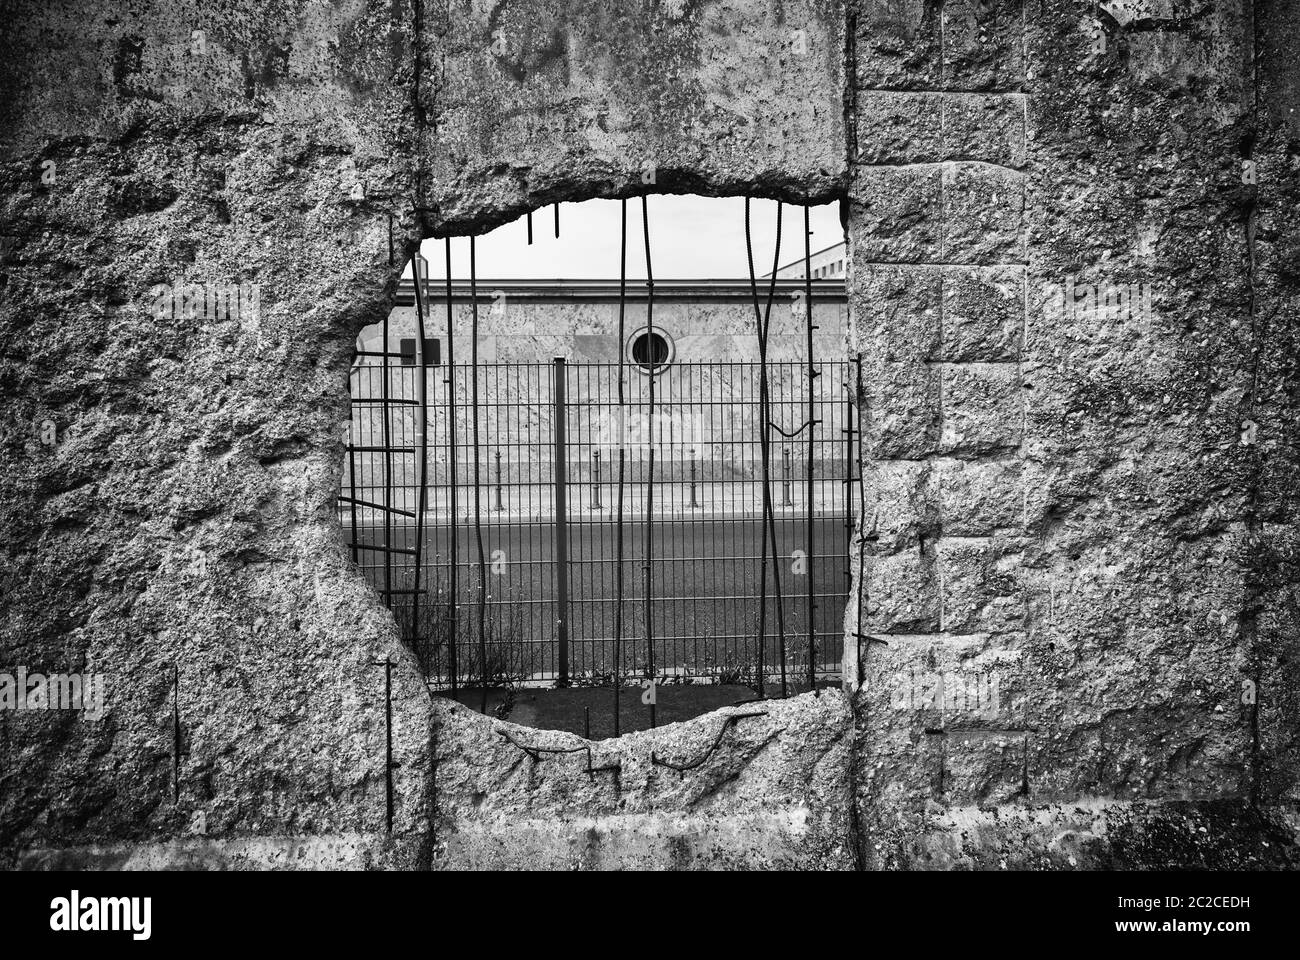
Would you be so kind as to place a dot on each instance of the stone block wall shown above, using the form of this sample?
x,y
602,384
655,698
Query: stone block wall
x,y
1062,500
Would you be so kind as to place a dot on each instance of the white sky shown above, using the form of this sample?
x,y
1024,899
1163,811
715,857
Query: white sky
x,y
691,238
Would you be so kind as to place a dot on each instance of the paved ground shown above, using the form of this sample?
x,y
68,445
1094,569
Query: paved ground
x,y
589,711
705,585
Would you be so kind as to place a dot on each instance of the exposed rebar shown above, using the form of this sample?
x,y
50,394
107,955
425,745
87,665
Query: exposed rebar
x,y
650,464
451,467
622,462
727,722
763,319
422,498
384,412
478,512
812,445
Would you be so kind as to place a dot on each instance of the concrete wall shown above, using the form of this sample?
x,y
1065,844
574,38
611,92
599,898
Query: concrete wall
x,y
1095,508
1086,503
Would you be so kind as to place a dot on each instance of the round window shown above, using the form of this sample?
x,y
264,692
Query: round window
x,y
651,350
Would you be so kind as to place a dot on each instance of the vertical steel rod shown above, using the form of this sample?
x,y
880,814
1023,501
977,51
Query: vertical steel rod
x,y
763,320
478,506
762,572
862,530
352,467
622,463
418,265
561,525
812,445
384,408
453,666
176,733
854,394
650,467
766,403
388,732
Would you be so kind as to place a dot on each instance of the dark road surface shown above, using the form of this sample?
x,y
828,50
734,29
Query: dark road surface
x,y
704,583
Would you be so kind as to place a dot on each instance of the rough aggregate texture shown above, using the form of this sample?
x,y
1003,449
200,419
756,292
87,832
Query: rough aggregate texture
x,y
1094,510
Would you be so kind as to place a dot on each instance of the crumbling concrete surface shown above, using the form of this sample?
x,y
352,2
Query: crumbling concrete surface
x,y
759,783
1073,634
1074,295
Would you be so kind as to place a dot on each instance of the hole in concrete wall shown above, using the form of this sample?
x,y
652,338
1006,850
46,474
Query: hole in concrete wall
x,y
589,424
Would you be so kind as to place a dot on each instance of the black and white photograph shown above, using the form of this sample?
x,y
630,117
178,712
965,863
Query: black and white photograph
x,y
853,438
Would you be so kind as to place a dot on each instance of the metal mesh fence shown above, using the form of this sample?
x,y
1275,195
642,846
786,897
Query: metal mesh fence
x,y
547,502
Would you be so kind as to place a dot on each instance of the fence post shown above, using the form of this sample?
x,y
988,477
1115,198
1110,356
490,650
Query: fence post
x,y
561,524
595,487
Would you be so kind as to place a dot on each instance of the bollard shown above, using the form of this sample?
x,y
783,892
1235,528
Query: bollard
x,y
499,507
694,503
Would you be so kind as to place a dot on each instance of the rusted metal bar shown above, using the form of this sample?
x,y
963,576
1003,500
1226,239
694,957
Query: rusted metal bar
x,y
850,431
622,463
374,506
363,448
176,733
766,404
352,476
384,411
452,665
762,571
728,721
810,525
389,764
650,461
419,271
763,321
409,551
561,523
387,354
536,753
478,507
859,671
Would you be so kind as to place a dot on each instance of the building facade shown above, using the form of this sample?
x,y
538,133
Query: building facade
x,y
699,321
